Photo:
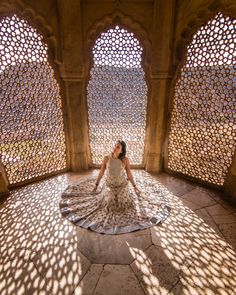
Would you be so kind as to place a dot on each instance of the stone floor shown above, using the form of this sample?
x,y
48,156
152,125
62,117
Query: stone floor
x,y
192,252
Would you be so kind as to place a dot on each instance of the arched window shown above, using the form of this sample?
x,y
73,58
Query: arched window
x,y
117,95
32,141
203,125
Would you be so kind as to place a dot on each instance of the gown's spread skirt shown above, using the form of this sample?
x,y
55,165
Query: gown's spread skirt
x,y
115,208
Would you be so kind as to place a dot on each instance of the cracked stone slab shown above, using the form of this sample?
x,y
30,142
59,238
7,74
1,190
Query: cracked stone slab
x,y
176,228
187,226
118,280
217,210
199,237
21,232
58,232
90,280
62,267
220,219
229,232
208,219
10,253
227,206
189,237
9,213
113,249
22,278
175,185
155,270
175,244
209,275
199,197
36,235
24,234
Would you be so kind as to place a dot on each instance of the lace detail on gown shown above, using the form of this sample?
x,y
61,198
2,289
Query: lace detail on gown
x,y
114,208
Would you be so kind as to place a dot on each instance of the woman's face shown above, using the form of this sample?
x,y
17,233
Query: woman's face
x,y
117,148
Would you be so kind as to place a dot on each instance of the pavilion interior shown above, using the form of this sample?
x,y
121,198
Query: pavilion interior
x,y
75,77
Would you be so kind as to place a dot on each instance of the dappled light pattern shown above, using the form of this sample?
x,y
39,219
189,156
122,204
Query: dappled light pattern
x,y
32,138
203,124
192,252
38,248
190,255
117,95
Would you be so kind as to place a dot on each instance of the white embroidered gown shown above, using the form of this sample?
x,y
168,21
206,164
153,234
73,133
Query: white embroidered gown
x,y
114,208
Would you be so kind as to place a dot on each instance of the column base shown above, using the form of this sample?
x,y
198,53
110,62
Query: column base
x,y
153,163
79,162
230,189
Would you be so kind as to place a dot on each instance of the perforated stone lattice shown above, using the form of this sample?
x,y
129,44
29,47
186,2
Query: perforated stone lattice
x,y
117,95
202,138
32,140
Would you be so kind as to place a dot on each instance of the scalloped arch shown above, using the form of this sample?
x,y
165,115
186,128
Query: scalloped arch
x,y
8,8
193,24
127,22
189,28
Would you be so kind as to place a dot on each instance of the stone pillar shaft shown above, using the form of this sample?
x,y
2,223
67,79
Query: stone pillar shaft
x,y
72,73
159,82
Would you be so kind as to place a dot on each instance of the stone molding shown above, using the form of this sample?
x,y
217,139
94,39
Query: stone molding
x,y
161,76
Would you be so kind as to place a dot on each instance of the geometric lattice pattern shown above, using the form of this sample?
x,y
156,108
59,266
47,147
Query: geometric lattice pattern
x,y
32,141
202,138
117,96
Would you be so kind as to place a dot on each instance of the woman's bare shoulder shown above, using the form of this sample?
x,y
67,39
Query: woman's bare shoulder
x,y
106,157
125,160
104,161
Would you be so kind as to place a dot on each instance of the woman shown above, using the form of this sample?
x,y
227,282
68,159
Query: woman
x,y
113,206
115,162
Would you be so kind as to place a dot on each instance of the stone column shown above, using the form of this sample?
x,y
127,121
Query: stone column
x,y
3,181
160,78
230,183
72,73
78,132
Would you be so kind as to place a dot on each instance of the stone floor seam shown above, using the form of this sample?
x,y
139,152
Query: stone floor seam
x,y
103,266
140,284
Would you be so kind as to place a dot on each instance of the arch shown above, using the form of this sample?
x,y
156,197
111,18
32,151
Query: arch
x,y
117,94
192,24
118,18
128,23
9,8
28,83
201,107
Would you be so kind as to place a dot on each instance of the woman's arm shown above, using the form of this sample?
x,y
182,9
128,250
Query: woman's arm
x,y
101,172
129,173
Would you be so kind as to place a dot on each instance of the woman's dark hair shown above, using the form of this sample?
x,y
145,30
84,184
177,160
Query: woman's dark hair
x,y
123,151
